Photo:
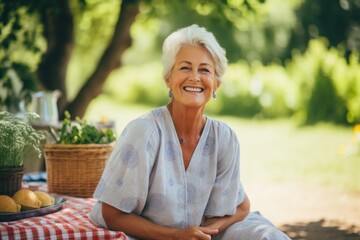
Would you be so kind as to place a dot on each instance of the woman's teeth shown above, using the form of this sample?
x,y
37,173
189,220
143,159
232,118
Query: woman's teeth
x,y
193,89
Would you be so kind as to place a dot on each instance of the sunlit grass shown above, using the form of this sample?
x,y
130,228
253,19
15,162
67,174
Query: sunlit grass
x,y
281,151
273,150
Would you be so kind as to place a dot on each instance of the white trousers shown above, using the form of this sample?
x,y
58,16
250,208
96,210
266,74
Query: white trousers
x,y
253,227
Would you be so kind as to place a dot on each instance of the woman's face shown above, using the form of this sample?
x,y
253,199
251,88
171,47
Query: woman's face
x,y
192,79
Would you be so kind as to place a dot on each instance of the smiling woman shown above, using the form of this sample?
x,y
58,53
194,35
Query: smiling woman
x,y
182,167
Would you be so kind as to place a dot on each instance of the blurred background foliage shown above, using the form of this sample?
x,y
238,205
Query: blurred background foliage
x,y
295,58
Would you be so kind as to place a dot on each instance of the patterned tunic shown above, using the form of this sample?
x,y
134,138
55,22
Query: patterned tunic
x,y
145,175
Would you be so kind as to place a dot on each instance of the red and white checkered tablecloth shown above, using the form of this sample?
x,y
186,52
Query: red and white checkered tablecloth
x,y
71,222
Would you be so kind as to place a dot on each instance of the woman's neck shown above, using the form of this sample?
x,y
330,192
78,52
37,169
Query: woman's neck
x,y
188,122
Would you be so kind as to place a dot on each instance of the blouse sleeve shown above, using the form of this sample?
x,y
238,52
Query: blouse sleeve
x,y
227,192
125,180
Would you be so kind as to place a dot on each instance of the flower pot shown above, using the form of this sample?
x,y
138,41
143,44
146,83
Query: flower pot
x,y
75,169
10,180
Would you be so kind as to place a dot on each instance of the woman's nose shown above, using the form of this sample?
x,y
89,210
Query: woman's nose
x,y
195,76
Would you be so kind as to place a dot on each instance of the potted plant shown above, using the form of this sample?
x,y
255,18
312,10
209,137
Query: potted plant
x,y
74,164
18,141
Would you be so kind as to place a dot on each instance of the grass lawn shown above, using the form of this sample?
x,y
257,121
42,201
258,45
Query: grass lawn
x,y
273,150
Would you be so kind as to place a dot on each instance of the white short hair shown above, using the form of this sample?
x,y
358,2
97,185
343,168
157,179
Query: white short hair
x,y
195,36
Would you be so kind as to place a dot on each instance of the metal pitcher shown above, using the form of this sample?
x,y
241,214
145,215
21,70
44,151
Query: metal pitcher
x,y
44,103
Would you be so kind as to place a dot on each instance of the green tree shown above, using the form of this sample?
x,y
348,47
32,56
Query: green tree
x,y
324,103
57,21
338,21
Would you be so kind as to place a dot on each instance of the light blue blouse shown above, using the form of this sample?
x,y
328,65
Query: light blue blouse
x,y
145,173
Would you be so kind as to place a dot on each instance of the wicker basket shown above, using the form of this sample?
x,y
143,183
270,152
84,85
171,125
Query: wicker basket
x,y
75,169
10,180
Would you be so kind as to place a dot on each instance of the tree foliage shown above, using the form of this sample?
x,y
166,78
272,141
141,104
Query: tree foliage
x,y
50,34
57,21
338,21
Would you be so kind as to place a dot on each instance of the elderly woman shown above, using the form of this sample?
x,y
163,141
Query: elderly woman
x,y
174,173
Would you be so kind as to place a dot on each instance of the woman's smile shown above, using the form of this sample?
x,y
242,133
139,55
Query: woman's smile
x,y
193,89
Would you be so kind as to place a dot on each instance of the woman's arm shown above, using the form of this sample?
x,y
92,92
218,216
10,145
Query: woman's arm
x,y
140,227
222,223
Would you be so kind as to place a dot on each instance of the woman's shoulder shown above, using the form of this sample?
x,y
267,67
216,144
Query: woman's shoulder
x,y
220,126
223,132
152,116
147,121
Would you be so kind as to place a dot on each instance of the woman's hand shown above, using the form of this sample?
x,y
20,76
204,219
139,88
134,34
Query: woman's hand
x,y
195,233
222,223
142,228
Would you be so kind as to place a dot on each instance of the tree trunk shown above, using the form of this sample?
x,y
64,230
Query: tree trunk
x,y
110,60
59,33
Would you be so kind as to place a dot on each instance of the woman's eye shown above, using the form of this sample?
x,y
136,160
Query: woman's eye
x,y
184,68
205,70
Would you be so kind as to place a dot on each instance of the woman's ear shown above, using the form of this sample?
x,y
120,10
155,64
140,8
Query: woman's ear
x,y
217,84
167,81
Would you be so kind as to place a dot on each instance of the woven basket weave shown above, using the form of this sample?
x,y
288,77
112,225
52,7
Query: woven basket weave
x,y
10,180
75,169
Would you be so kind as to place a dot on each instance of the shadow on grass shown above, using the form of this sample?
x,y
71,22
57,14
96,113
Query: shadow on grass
x,y
321,230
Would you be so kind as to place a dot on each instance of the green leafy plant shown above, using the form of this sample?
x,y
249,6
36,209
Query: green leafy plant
x,y
18,139
81,132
